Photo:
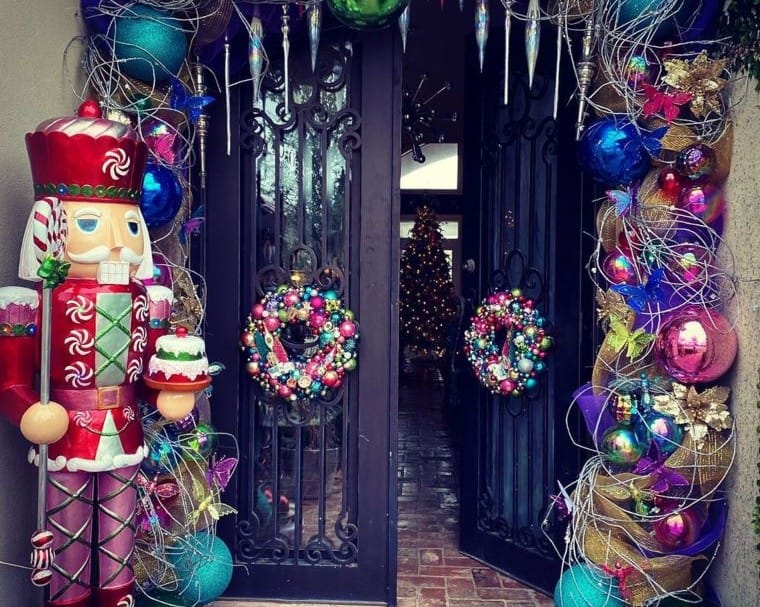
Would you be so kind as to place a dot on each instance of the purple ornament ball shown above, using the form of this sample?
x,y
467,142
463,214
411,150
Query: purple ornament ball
x,y
695,345
696,162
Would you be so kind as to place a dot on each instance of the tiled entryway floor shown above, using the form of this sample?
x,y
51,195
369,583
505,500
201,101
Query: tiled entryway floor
x,y
431,571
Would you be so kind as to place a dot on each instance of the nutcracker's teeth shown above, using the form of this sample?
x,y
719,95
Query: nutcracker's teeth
x,y
113,273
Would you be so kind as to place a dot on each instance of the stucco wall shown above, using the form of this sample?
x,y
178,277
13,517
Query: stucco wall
x,y
736,572
33,36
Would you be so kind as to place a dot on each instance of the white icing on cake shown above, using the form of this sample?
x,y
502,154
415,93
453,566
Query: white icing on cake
x,y
21,296
187,344
94,127
160,293
190,369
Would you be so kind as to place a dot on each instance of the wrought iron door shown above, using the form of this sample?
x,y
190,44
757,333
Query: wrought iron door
x,y
313,168
530,237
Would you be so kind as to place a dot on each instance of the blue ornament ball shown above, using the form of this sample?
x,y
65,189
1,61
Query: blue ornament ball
x,y
203,568
161,195
586,586
661,429
162,457
98,14
150,43
612,151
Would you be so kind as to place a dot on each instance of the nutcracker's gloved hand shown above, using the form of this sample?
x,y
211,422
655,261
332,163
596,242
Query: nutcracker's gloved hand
x,y
175,405
44,424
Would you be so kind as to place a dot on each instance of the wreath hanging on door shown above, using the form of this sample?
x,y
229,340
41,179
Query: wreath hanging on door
x,y
513,368
300,342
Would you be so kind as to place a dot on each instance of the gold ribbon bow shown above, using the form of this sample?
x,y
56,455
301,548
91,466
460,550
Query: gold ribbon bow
x,y
698,412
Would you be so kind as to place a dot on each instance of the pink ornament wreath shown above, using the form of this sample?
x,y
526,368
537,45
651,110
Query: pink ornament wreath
x,y
299,343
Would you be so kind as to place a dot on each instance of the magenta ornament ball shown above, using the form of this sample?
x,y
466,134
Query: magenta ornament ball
x,y
706,201
696,345
618,268
678,529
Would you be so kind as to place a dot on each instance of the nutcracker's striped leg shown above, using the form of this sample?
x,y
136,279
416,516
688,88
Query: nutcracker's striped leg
x,y
117,502
69,501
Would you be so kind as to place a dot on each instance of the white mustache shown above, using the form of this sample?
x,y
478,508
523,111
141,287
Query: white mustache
x,y
101,253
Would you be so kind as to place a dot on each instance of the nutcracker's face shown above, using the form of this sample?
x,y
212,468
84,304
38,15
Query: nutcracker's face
x,y
106,240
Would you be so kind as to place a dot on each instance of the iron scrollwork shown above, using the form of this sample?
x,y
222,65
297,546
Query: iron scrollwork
x,y
300,156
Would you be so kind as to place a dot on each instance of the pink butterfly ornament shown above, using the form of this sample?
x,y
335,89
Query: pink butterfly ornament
x,y
667,104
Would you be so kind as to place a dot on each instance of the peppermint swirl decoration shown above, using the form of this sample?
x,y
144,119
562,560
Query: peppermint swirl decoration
x,y
299,343
512,368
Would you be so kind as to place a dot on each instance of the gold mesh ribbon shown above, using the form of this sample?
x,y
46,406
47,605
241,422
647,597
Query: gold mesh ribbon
x,y
670,573
707,465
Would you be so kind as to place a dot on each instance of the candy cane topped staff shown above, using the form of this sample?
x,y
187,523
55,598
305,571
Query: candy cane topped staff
x,y
49,232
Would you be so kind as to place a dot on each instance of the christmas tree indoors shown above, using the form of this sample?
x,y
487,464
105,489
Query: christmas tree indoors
x,y
427,293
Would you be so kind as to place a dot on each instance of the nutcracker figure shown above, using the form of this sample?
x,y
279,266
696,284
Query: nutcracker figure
x,y
87,174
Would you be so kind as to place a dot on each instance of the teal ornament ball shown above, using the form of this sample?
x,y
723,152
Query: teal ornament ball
x,y
150,44
367,14
586,586
203,567
679,25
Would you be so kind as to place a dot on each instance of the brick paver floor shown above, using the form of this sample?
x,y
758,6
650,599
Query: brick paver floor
x,y
431,570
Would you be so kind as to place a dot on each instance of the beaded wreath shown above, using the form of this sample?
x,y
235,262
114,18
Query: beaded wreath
x,y
322,336
514,368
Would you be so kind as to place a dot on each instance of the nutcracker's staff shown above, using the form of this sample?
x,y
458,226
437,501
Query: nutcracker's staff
x,y
49,234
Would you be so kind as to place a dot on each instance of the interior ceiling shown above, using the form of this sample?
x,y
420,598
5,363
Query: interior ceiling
x,y
436,47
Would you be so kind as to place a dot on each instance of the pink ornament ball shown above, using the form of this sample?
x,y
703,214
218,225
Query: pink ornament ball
x,y
317,319
695,345
347,328
618,268
257,311
705,201
678,529
272,323
317,302
246,338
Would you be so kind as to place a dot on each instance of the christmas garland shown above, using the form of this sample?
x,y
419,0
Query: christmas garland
x,y
306,319
514,368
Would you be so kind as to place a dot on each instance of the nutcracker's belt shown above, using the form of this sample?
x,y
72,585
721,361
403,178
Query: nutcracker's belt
x,y
106,397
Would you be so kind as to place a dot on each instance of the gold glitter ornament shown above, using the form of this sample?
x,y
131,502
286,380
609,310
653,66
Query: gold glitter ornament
x,y
701,78
697,411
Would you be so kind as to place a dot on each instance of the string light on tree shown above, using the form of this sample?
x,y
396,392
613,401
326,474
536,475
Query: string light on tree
x,y
427,293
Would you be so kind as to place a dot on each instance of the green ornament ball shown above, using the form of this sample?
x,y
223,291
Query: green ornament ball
x,y
367,14
203,568
149,43
585,586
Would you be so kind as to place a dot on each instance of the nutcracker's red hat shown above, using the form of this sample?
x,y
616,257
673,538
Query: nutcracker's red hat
x,y
87,157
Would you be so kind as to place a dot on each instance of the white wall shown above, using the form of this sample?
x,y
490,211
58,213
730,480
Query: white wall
x,y
33,36
736,572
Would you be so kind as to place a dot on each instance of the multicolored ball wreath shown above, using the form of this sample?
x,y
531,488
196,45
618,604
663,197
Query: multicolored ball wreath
x,y
514,368
322,335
